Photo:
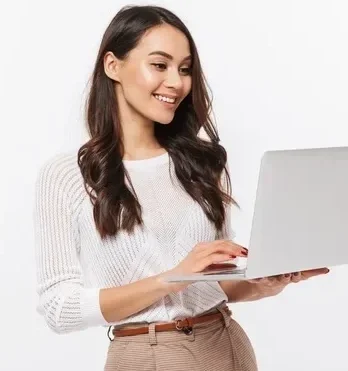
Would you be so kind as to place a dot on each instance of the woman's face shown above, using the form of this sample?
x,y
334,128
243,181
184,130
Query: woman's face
x,y
156,75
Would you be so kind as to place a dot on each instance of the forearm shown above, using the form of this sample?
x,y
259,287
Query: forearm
x,y
241,291
118,303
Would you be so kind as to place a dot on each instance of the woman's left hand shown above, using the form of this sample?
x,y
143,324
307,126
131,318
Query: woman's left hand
x,y
273,285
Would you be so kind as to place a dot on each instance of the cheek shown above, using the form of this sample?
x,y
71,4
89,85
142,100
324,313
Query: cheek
x,y
146,78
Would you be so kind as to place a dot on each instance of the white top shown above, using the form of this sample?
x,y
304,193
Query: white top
x,y
74,263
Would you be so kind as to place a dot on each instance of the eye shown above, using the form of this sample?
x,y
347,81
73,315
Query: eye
x,y
159,66
186,70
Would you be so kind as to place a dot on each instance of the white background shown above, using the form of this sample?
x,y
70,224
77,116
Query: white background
x,y
278,70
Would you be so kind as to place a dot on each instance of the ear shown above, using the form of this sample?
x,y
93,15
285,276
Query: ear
x,y
112,66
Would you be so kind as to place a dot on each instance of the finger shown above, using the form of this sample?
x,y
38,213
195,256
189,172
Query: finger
x,y
273,280
225,247
315,272
284,279
218,258
230,243
207,261
236,244
203,246
296,277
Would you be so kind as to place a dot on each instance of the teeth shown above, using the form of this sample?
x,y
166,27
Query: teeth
x,y
165,99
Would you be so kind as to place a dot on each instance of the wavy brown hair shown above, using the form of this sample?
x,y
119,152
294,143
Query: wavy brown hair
x,y
199,163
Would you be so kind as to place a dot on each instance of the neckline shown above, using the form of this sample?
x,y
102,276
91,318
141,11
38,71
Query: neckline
x,y
147,162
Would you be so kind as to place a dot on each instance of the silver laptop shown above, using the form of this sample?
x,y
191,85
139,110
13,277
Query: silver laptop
x,y
300,218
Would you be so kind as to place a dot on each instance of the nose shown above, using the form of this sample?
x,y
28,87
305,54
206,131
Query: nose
x,y
173,80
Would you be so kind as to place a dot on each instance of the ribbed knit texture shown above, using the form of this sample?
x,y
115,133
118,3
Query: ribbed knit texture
x,y
74,263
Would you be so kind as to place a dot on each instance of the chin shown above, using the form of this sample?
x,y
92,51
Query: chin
x,y
164,120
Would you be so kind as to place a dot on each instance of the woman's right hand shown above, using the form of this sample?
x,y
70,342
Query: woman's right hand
x,y
203,255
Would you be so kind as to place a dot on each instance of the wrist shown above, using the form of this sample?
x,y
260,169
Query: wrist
x,y
169,287
164,287
246,291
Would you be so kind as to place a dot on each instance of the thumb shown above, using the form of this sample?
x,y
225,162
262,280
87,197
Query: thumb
x,y
315,272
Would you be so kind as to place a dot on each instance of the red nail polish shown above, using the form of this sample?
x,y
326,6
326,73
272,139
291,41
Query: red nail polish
x,y
244,253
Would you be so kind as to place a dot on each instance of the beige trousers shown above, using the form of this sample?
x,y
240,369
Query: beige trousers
x,y
218,345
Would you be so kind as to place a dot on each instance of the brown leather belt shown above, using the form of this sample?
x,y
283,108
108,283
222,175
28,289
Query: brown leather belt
x,y
185,325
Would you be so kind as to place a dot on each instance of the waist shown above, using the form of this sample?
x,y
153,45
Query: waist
x,y
181,324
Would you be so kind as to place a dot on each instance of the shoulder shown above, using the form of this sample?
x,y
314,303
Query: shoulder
x,y
59,166
60,174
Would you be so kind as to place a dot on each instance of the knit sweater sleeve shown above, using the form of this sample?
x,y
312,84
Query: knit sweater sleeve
x,y
64,302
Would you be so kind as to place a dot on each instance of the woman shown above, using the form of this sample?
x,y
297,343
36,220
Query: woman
x,y
143,198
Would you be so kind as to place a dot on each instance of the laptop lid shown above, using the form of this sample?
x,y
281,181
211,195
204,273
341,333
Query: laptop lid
x,y
300,216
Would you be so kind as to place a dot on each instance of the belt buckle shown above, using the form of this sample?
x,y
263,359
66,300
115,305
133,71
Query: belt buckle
x,y
187,330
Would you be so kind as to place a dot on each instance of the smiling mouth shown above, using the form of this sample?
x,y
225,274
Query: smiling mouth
x,y
164,99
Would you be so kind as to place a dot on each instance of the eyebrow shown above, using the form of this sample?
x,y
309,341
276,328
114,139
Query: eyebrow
x,y
168,56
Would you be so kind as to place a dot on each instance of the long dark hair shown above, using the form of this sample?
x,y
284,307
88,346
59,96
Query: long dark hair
x,y
199,163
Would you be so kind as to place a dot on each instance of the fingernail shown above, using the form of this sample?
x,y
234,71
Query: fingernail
x,y
244,252
327,271
232,256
